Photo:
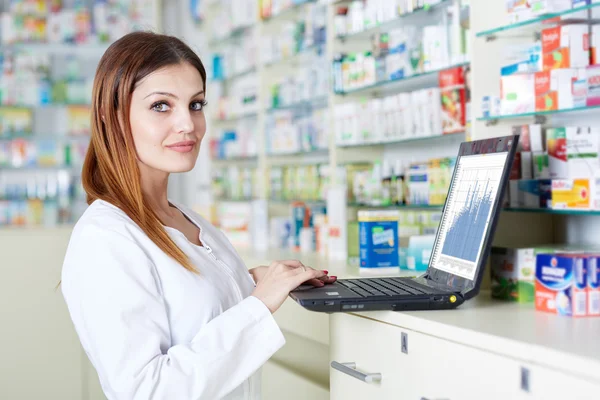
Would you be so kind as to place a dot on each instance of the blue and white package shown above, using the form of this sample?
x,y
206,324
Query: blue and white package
x,y
523,58
378,239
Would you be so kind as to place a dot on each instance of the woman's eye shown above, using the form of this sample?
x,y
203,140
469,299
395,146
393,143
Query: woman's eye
x,y
197,105
160,107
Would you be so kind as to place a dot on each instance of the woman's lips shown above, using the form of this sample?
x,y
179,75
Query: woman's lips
x,y
182,147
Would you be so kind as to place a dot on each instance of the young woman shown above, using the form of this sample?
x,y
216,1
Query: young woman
x,y
163,305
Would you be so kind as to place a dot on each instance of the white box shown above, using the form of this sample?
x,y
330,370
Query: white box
x,y
574,152
517,93
541,7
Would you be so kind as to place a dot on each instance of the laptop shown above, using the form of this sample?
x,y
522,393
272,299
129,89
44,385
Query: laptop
x,y
462,244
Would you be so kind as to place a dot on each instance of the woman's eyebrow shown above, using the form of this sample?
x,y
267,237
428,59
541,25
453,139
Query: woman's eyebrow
x,y
171,94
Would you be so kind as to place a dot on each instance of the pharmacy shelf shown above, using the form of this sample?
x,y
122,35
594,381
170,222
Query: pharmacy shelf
x,y
388,25
289,11
237,75
235,160
317,102
39,168
394,84
519,26
296,56
398,207
402,141
536,114
47,105
234,33
82,49
289,201
553,211
235,118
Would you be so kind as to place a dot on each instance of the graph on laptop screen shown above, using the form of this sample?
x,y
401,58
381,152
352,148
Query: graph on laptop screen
x,y
468,213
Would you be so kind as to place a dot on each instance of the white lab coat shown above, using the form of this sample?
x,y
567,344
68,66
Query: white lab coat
x,y
154,330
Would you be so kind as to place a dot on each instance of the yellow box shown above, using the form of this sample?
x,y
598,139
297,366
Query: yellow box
x,y
572,194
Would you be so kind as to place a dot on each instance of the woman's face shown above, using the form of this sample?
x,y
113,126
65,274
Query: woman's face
x,y
167,119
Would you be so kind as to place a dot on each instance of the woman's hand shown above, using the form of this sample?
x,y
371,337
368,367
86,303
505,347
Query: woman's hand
x,y
274,283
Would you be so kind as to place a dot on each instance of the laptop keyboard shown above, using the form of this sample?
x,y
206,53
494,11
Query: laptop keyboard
x,y
380,287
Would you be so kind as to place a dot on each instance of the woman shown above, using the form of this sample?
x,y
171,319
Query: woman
x,y
162,304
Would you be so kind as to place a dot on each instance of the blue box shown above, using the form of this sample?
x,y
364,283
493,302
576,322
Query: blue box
x,y
378,239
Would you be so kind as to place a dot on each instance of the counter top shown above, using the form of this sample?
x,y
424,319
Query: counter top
x,y
511,329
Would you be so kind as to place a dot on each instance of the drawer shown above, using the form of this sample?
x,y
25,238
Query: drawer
x,y
435,368
311,325
279,383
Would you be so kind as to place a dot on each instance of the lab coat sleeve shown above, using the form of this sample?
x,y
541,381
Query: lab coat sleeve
x,y
114,297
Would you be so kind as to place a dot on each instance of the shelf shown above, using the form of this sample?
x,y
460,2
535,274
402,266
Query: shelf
x,y
541,19
295,56
248,159
59,48
32,137
399,207
235,118
237,75
288,11
537,113
306,104
553,211
300,153
382,84
400,141
389,24
39,168
231,35
48,105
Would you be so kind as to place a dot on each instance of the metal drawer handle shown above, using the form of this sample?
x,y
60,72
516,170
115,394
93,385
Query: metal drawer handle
x,y
350,369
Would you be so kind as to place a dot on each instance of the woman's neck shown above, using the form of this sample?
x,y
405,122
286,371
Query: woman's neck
x,y
154,188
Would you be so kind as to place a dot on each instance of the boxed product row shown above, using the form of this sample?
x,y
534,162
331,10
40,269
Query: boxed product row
x,y
234,59
292,183
560,72
237,143
560,194
288,132
15,121
388,240
308,84
31,79
239,99
34,198
232,15
559,279
294,37
22,153
422,113
305,230
557,153
234,183
44,21
523,10
424,183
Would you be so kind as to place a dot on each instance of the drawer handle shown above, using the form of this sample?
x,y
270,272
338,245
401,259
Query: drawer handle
x,y
350,369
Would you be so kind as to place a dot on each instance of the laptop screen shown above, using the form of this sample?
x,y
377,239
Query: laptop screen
x,y
463,236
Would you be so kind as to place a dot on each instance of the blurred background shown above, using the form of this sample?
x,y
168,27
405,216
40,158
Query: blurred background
x,y
323,115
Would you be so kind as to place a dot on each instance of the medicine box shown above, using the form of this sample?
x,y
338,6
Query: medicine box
x,y
593,280
593,85
453,100
561,284
541,169
513,272
573,152
541,7
378,235
522,166
566,46
595,44
517,94
560,89
573,194
524,58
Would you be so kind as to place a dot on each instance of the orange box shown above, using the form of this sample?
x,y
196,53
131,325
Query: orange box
x,y
572,194
560,89
566,46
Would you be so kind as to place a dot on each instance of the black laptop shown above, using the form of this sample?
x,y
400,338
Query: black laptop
x,y
460,250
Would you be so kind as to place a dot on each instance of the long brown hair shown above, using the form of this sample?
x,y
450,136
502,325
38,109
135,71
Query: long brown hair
x,y
110,170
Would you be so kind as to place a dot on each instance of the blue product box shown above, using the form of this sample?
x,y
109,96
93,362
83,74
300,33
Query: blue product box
x,y
522,59
378,239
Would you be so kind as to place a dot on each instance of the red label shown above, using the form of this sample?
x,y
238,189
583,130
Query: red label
x,y
551,39
542,82
452,77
